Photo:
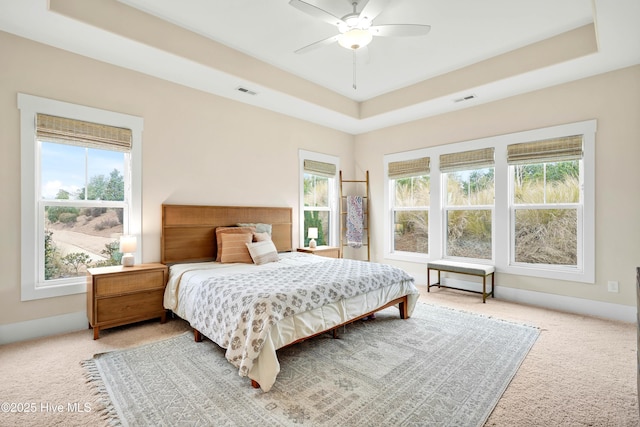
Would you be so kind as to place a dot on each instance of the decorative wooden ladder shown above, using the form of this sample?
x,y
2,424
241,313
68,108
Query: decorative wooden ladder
x,y
343,213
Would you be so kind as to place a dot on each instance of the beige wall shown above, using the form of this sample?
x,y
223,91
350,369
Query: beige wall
x,y
197,148
200,148
614,100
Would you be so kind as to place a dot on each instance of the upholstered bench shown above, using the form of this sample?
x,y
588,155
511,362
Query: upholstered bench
x,y
480,270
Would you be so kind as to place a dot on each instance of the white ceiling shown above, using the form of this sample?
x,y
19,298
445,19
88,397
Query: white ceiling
x,y
463,32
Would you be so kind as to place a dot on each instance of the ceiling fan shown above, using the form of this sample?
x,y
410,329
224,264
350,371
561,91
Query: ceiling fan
x,y
356,29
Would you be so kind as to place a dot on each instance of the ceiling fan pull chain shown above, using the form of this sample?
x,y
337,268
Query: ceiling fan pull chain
x,y
354,69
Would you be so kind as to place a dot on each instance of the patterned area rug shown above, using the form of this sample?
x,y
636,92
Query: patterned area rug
x,y
440,367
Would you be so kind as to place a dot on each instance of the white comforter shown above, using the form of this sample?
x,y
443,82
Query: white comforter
x,y
253,310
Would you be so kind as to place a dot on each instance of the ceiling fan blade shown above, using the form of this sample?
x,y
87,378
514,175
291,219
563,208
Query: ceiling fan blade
x,y
318,44
399,30
316,12
373,9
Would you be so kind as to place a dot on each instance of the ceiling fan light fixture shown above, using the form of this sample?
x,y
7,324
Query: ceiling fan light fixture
x,y
352,20
364,24
355,39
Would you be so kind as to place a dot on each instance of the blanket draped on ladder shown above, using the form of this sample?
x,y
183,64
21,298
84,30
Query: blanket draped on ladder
x,y
355,221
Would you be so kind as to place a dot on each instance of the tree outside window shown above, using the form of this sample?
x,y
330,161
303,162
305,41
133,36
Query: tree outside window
x,y
85,217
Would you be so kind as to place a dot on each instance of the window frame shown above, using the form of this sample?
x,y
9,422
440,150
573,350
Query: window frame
x,y
446,208
390,209
32,234
333,235
503,239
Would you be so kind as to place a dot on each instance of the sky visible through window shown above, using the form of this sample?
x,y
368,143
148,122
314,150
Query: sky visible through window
x,y
69,167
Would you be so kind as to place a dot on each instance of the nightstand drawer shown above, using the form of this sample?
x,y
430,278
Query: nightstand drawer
x,y
128,282
138,305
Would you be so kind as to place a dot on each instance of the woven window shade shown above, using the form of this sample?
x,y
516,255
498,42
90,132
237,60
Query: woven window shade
x,y
320,168
474,159
409,168
548,150
84,134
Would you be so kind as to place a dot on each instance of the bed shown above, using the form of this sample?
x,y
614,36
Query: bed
x,y
277,298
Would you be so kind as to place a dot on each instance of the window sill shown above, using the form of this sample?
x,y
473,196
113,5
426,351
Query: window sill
x,y
31,292
408,257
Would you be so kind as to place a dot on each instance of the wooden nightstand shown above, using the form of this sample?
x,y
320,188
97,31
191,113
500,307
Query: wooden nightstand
x,y
120,295
327,251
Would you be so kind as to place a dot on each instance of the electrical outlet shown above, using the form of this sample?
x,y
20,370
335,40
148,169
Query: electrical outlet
x,y
612,286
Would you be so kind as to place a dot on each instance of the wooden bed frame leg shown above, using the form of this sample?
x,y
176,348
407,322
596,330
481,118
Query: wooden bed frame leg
x,y
197,336
255,384
404,308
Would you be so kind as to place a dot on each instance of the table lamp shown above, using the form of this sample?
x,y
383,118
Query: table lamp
x,y
128,247
312,233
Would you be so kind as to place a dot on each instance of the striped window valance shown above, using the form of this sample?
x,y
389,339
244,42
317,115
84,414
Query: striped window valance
x,y
548,150
320,168
466,160
81,133
409,168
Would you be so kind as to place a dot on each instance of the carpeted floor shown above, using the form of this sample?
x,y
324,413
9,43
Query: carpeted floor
x,y
580,372
440,367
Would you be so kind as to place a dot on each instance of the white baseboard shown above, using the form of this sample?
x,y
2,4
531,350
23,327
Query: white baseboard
x,y
625,313
37,328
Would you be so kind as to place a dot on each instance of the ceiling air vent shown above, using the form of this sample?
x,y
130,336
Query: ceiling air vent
x,y
245,90
465,98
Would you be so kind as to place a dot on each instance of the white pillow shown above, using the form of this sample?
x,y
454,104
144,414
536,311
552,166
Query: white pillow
x,y
263,252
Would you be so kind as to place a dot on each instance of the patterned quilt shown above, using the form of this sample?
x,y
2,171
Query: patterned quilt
x,y
237,311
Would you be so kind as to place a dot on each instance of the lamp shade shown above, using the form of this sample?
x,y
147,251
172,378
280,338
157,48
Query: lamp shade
x,y
312,233
355,39
128,244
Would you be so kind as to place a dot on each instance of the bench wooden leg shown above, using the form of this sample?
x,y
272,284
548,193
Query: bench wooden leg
x,y
493,284
484,289
428,279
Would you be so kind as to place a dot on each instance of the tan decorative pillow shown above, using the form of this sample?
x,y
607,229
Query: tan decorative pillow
x,y
234,247
223,230
263,252
261,237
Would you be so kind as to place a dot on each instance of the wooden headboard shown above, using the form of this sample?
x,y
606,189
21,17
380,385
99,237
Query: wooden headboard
x,y
188,231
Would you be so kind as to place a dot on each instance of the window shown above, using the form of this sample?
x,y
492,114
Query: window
x,y
469,202
524,202
409,187
546,202
318,197
80,192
